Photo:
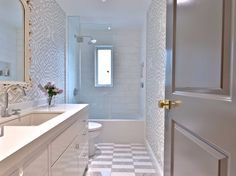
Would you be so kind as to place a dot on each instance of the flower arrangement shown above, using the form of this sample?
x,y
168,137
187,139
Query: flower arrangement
x,y
50,90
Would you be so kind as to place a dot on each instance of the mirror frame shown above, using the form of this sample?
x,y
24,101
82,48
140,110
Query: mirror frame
x,y
27,83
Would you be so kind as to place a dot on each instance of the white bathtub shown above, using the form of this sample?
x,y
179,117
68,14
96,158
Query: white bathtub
x,y
121,131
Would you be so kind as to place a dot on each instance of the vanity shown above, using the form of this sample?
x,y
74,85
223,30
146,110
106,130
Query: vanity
x,y
45,141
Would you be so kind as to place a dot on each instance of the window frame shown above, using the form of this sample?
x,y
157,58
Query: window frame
x,y
97,48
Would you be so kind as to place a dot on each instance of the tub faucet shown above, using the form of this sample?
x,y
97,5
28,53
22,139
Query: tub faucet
x,y
5,110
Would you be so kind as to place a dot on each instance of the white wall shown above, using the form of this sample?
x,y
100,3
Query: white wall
x,y
123,100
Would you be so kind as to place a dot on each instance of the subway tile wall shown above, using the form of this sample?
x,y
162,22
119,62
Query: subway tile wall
x,y
123,100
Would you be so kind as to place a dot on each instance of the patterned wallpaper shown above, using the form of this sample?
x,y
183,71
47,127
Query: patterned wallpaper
x,y
48,49
155,78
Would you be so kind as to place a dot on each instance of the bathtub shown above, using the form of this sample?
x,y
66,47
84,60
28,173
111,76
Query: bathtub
x,y
121,130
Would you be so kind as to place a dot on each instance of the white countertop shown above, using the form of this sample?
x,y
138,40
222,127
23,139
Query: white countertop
x,y
16,137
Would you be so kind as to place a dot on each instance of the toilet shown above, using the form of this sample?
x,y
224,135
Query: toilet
x,y
94,129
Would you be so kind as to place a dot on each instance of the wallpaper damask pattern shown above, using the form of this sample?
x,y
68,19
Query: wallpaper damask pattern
x,y
155,78
48,25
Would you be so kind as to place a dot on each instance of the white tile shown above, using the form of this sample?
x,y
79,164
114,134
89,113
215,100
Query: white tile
x,y
122,145
148,171
122,154
122,167
122,160
142,163
108,152
102,144
138,148
104,157
99,170
101,163
122,174
140,152
141,157
122,149
105,147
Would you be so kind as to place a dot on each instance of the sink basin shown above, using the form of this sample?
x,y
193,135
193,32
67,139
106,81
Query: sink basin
x,y
32,119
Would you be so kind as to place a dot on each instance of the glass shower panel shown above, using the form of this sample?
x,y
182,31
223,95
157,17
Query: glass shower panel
x,y
73,61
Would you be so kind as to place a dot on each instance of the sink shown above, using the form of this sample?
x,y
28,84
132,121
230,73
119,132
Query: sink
x,y
32,119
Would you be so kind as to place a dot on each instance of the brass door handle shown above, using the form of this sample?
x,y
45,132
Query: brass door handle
x,y
169,104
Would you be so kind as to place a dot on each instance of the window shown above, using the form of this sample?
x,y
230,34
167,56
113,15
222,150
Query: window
x,y
103,66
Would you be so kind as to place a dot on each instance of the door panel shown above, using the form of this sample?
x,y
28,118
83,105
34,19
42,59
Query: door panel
x,y
198,42
205,159
199,135
200,56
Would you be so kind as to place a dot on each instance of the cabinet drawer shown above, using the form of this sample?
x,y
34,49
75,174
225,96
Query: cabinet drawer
x,y
59,145
38,166
83,152
68,163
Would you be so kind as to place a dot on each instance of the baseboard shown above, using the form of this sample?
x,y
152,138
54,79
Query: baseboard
x,y
157,166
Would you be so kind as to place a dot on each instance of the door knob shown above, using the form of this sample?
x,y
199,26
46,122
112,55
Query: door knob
x,y
169,104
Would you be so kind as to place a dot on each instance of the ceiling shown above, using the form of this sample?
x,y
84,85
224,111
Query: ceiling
x,y
130,13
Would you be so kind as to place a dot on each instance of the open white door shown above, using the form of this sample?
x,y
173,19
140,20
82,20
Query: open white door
x,y
200,135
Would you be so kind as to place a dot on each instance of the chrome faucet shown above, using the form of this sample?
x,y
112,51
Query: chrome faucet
x,y
5,110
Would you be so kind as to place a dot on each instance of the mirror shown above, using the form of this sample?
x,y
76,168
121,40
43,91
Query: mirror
x,y
14,37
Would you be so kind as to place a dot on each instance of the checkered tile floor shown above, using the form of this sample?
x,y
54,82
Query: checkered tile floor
x,y
121,160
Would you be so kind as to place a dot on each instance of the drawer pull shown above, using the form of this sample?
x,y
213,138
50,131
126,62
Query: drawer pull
x,y
21,172
84,120
84,134
77,147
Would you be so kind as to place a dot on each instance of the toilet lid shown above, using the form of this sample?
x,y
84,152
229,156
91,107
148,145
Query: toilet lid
x,y
92,126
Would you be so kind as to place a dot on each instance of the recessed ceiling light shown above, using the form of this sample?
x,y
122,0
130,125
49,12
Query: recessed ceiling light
x,y
109,28
104,0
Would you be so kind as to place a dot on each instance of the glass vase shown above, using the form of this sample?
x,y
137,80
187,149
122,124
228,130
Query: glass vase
x,y
51,101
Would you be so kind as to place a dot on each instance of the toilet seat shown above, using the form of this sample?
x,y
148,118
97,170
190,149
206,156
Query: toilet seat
x,y
93,126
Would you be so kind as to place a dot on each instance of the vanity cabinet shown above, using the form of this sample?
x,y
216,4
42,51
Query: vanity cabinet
x,y
37,166
71,157
63,151
68,162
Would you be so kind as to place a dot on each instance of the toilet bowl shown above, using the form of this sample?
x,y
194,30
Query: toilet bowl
x,y
94,129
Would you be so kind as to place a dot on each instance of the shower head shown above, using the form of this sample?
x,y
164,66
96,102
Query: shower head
x,y
80,39
92,41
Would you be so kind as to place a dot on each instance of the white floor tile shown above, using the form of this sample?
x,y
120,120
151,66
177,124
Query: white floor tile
x,y
122,160
141,157
122,149
104,157
142,163
122,166
99,170
122,174
148,171
101,162
122,154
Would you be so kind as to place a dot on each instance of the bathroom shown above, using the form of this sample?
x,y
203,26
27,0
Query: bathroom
x,y
59,51
152,112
